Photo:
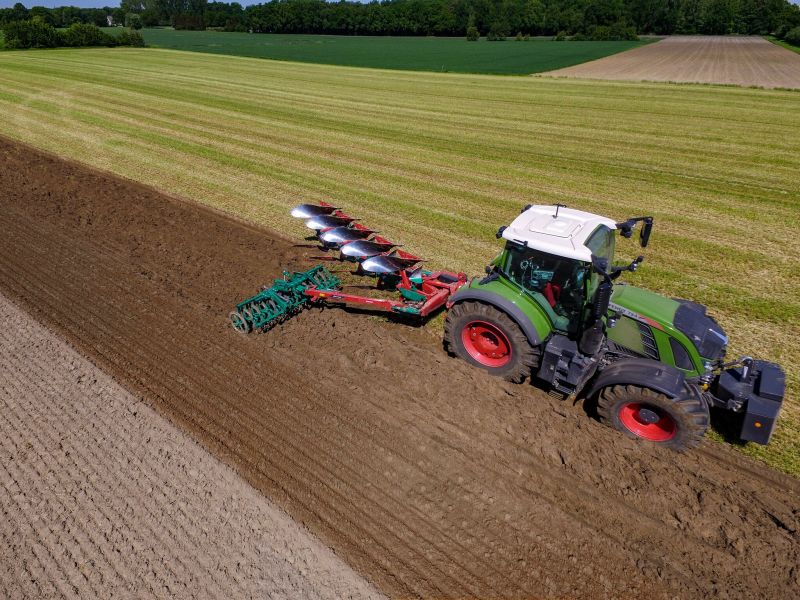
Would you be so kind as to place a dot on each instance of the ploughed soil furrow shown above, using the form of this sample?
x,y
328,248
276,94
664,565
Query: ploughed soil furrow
x,y
732,60
426,475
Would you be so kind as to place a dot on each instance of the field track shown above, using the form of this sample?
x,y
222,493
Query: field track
x,y
103,498
747,61
427,476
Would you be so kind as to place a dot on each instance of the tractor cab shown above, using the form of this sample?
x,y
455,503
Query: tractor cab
x,y
551,253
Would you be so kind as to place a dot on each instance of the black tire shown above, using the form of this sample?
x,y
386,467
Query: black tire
x,y
681,424
522,358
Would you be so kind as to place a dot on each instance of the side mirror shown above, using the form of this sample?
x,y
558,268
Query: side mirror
x,y
626,228
647,229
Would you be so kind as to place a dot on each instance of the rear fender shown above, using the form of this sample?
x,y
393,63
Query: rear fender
x,y
513,310
641,372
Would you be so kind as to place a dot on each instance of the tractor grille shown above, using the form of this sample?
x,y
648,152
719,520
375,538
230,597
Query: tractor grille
x,y
648,341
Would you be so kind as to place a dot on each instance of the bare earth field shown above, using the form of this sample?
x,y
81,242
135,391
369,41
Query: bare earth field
x,y
425,475
747,61
102,497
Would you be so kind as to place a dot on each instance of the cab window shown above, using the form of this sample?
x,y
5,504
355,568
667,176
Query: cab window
x,y
601,243
559,280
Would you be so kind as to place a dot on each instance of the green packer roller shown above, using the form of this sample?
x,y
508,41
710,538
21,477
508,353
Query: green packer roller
x,y
284,298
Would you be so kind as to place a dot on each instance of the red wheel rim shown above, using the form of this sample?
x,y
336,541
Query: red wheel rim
x,y
638,419
486,343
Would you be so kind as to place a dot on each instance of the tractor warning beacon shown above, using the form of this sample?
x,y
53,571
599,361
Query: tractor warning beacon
x,y
550,309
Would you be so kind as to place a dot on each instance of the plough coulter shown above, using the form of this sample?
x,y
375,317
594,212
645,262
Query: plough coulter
x,y
549,309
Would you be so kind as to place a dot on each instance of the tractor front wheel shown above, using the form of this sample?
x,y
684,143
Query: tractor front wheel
x,y
638,412
486,337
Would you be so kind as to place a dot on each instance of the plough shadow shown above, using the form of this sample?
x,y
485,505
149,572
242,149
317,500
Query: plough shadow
x,y
395,318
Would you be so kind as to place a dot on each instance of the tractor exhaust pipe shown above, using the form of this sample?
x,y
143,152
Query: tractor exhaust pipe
x,y
594,334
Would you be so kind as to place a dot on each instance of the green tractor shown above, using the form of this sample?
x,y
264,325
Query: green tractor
x,y
550,309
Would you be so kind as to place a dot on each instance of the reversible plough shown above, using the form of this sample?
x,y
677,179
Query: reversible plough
x,y
419,292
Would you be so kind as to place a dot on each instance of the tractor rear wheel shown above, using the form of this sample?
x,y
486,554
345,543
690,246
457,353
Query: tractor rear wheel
x,y
486,337
639,412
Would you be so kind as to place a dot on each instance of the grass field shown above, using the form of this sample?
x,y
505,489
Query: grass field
x,y
411,53
786,45
439,161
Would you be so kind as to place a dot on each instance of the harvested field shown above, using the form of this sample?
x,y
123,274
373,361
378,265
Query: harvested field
x,y
746,60
427,476
101,497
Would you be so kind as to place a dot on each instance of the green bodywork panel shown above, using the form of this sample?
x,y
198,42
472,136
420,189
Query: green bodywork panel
x,y
525,301
412,295
654,306
642,309
538,304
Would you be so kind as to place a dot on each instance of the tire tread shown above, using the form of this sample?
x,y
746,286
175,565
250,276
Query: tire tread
x,y
690,412
521,367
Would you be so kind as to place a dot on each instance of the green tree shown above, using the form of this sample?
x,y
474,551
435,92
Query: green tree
x,y
43,14
85,34
129,37
531,16
603,12
30,33
717,17
498,32
133,20
793,36
473,35
19,13
133,6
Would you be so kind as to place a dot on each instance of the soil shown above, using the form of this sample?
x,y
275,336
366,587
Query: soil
x,y
746,61
103,498
427,476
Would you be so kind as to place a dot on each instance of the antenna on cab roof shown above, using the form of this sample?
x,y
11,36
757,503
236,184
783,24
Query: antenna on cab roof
x,y
555,216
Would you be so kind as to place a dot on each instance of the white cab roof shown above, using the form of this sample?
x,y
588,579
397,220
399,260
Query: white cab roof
x,y
565,235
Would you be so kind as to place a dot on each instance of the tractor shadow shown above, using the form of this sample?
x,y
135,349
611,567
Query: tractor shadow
x,y
728,425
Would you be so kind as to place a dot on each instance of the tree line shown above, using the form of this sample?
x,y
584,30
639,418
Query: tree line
x,y
583,18
36,33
